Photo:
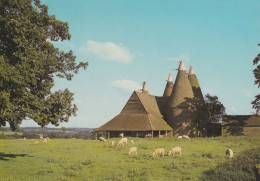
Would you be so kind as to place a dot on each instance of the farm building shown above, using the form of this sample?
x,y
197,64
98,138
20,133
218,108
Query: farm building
x,y
241,125
146,115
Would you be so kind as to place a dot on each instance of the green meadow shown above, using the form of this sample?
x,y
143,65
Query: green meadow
x,y
75,159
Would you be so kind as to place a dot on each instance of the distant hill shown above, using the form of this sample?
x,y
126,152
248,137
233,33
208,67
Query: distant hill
x,y
27,132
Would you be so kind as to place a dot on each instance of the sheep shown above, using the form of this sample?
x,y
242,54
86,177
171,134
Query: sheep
x,y
121,135
112,143
132,142
48,138
123,140
44,141
160,136
175,150
229,153
148,136
24,138
102,139
36,142
186,137
159,151
41,137
180,137
132,150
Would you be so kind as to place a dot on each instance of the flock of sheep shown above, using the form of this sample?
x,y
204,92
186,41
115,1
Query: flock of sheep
x,y
158,151
44,140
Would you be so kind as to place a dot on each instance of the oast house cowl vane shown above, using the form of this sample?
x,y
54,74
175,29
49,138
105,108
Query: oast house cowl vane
x,y
169,87
179,115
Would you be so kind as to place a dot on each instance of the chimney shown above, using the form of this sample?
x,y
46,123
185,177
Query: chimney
x,y
144,90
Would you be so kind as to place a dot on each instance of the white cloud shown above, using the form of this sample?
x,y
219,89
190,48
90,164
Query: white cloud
x,y
247,93
181,57
233,109
107,51
127,85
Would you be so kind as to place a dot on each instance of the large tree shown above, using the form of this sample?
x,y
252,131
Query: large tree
x,y
211,111
29,62
256,71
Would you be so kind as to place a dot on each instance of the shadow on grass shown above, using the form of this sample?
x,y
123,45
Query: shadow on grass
x,y
239,168
5,157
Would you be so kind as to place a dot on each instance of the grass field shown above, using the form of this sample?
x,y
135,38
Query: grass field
x,y
68,159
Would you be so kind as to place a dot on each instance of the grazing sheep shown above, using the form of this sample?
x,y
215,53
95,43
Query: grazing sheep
x,y
186,137
148,136
44,141
180,137
132,150
159,151
102,139
132,142
175,150
36,142
121,135
112,143
123,140
41,137
229,153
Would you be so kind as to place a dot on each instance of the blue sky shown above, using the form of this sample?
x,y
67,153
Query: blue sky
x,y
128,42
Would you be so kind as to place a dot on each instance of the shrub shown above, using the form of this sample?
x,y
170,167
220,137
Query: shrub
x,y
239,168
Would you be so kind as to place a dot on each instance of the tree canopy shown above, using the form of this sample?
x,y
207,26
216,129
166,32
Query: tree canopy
x,y
212,111
29,62
256,71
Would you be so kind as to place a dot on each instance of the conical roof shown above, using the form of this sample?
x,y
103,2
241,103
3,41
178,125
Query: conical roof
x,y
169,87
182,88
195,84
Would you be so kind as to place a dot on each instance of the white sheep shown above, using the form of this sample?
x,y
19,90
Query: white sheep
x,y
123,140
102,139
132,142
41,137
44,141
36,142
229,153
148,135
180,137
48,138
159,151
112,143
175,150
132,150
186,137
121,135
